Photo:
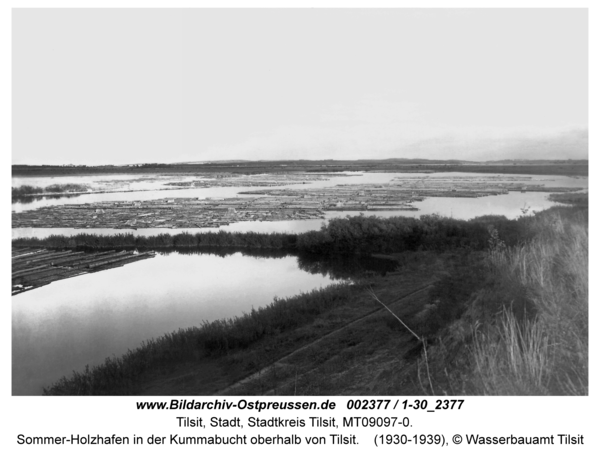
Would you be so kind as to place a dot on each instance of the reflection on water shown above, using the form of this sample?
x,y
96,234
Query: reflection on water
x,y
27,200
94,179
345,267
232,192
71,323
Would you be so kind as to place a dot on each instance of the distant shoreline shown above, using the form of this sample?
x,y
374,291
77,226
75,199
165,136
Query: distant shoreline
x,y
554,167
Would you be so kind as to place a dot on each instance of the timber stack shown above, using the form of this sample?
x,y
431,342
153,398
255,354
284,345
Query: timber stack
x,y
34,268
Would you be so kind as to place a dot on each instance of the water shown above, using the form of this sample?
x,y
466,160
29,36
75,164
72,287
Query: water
x,y
510,205
213,192
155,189
71,323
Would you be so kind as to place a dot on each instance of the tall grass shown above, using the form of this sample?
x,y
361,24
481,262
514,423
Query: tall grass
x,y
164,240
513,358
122,375
25,191
340,236
575,199
516,324
525,331
544,353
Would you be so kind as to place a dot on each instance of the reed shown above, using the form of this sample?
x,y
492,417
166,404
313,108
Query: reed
x,y
122,375
27,191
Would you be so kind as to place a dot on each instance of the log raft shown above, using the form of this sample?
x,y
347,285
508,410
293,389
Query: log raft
x,y
273,204
34,268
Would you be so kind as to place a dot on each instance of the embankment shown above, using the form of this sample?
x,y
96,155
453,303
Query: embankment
x,y
506,314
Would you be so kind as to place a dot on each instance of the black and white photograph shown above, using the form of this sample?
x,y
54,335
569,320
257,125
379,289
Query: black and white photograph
x,y
282,226
299,202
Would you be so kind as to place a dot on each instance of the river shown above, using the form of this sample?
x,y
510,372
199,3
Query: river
x,y
510,205
69,324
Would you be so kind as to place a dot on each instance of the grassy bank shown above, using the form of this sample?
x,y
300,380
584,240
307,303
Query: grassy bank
x,y
525,331
181,240
575,199
502,305
122,375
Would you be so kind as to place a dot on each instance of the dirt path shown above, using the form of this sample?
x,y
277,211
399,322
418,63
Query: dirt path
x,y
271,366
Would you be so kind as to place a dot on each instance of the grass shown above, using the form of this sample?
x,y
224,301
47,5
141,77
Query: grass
x,y
526,331
509,319
576,199
553,270
210,357
25,191
163,240
513,358
122,375
340,236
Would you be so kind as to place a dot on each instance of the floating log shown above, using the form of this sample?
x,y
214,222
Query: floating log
x,y
31,252
42,258
51,266
110,261
273,204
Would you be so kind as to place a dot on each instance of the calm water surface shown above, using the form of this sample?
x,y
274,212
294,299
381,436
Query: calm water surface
x,y
65,325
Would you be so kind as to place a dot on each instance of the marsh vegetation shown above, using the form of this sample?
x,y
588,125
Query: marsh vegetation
x,y
502,305
26,193
524,331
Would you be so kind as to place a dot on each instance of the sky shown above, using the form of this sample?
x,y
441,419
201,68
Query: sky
x,y
119,86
